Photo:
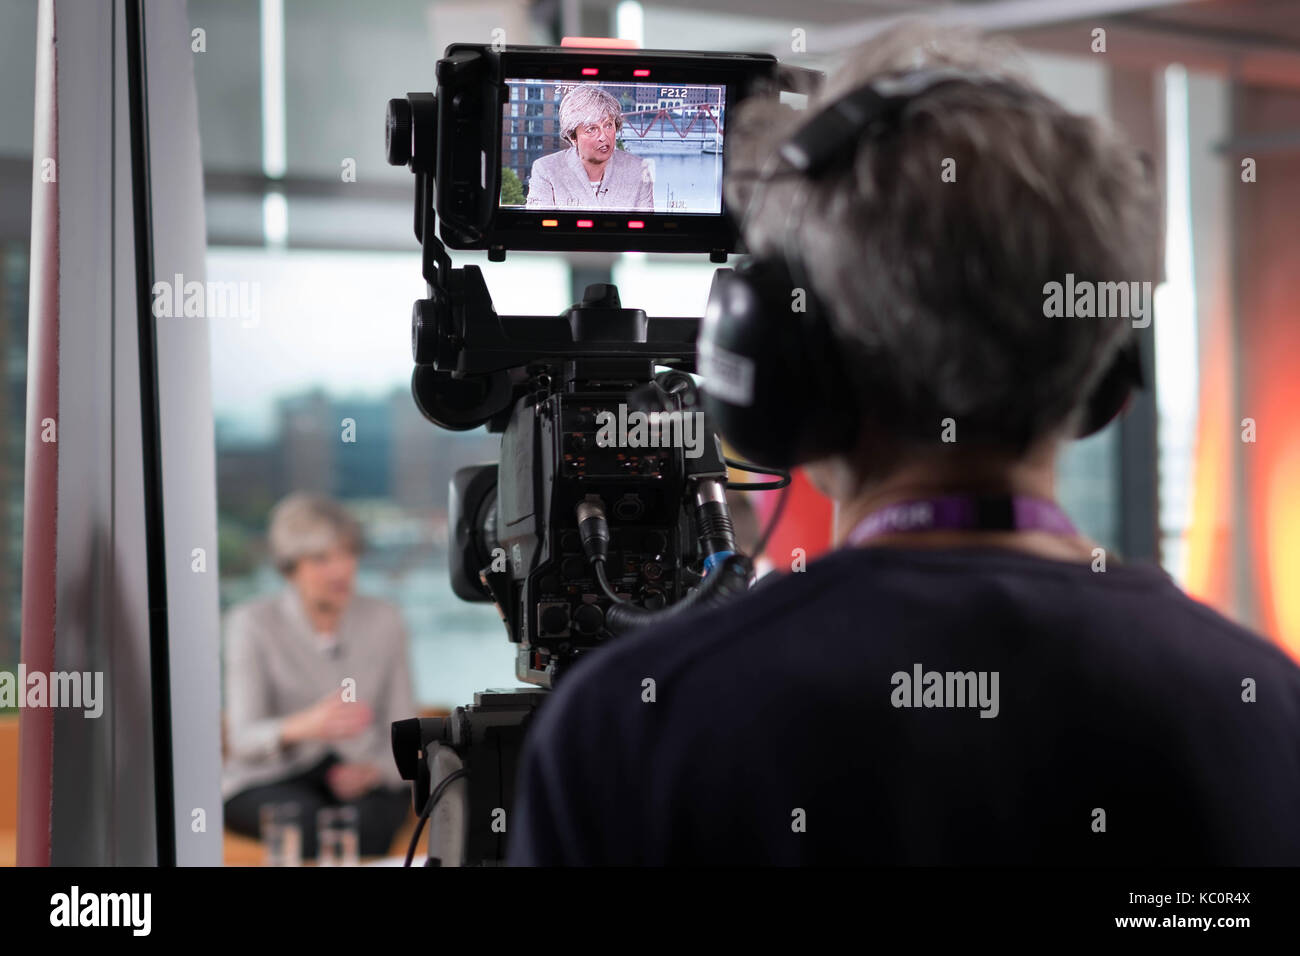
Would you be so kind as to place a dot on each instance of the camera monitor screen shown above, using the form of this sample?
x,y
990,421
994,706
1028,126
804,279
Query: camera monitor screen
x,y
632,147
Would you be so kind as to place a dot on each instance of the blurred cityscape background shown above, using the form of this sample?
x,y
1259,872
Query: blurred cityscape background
x,y
394,479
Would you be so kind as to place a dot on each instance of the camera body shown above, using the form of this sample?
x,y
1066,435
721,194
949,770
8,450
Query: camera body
x,y
607,510
516,524
513,119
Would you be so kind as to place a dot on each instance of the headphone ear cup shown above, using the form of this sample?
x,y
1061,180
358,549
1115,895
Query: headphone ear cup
x,y
1112,394
771,387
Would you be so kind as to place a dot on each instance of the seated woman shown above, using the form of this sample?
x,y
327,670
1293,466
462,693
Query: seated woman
x,y
314,677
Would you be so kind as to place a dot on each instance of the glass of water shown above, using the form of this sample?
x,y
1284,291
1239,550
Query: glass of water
x,y
338,830
281,834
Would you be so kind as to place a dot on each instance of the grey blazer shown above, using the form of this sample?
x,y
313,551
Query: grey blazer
x,y
559,181
276,664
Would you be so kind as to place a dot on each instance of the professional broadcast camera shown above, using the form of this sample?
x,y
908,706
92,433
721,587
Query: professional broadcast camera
x,y
607,509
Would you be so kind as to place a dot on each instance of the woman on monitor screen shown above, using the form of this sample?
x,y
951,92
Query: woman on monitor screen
x,y
593,173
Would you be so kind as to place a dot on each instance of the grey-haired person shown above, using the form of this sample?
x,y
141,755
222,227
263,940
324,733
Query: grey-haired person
x,y
314,676
592,173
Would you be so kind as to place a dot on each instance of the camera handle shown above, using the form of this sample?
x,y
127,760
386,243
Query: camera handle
x,y
473,753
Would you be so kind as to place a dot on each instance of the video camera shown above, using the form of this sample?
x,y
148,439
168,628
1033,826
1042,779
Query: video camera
x,y
607,510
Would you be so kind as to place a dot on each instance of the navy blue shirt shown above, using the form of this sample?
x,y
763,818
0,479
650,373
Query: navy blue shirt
x,y
898,706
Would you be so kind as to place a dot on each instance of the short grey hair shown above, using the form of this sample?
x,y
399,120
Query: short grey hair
x,y
936,289
303,524
587,103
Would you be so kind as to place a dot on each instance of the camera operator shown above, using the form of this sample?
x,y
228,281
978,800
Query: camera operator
x,y
1097,716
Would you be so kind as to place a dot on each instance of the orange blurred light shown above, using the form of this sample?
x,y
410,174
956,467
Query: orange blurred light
x,y
1282,542
1207,572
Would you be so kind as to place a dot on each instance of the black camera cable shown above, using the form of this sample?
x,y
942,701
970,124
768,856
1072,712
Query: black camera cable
x,y
781,474
728,579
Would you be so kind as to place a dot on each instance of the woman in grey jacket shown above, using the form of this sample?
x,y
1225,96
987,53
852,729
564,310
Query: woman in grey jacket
x,y
593,173
314,677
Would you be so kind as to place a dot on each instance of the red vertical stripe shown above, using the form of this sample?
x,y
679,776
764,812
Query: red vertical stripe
x,y
41,474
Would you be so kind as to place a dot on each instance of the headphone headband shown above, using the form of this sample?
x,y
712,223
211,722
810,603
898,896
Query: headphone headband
x,y
830,132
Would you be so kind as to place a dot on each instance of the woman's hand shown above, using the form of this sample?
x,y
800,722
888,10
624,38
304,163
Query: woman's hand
x,y
330,718
352,780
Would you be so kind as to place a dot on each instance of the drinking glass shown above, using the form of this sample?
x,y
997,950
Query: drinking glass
x,y
281,834
339,833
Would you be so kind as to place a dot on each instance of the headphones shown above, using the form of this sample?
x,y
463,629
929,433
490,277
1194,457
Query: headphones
x,y
775,382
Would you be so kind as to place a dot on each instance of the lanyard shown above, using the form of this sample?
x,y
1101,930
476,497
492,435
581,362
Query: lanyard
x,y
963,513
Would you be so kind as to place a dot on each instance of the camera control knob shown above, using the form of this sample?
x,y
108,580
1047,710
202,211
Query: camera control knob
x,y
397,136
424,331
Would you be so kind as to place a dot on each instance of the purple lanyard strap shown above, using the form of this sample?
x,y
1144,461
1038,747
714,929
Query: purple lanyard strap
x,y
963,513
